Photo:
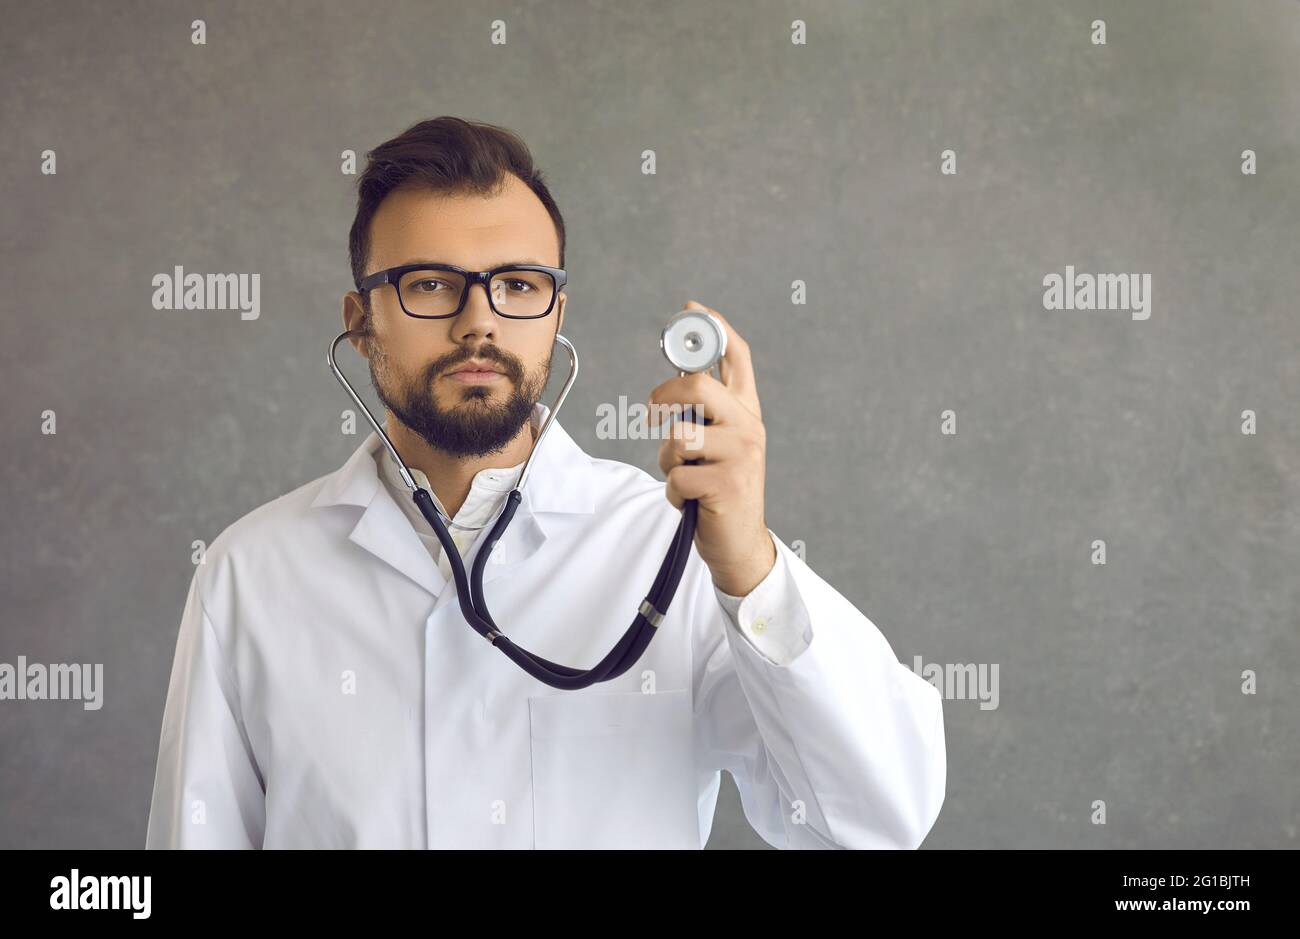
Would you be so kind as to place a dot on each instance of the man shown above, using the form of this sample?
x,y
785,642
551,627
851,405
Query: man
x,y
326,690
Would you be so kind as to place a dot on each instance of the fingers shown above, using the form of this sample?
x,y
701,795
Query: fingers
x,y
702,482
737,367
711,399
706,444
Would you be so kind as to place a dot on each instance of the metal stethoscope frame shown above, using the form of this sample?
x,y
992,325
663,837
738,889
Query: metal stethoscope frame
x,y
472,604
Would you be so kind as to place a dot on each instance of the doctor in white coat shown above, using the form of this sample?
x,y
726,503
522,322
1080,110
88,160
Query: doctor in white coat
x,y
327,693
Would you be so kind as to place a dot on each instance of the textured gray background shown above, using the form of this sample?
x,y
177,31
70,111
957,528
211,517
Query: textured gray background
x,y
775,162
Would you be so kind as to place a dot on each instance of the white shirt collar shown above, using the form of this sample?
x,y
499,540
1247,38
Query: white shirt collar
x,y
487,491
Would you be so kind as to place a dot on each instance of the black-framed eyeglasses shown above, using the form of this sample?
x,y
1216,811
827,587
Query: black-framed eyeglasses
x,y
438,291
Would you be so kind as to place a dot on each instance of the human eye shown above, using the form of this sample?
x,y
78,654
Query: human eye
x,y
426,285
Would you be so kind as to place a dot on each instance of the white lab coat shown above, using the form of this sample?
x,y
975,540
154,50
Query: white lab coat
x,y
327,693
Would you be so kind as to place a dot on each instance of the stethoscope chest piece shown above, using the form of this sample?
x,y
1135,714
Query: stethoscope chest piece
x,y
694,341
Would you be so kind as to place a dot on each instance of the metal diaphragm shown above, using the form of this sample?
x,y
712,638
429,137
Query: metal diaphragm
x,y
694,341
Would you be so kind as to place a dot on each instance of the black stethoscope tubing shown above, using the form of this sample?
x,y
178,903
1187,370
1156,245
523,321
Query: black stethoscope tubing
x,y
469,588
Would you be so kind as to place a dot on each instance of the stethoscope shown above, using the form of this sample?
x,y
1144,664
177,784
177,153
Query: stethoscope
x,y
693,341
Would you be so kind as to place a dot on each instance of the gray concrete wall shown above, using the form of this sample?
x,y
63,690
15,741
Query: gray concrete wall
x,y
776,162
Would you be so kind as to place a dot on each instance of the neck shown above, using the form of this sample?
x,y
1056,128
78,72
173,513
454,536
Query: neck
x,y
451,475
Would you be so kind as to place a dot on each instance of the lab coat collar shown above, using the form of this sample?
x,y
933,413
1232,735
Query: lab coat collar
x,y
559,481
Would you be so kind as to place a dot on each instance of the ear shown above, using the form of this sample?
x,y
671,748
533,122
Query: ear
x,y
563,299
354,316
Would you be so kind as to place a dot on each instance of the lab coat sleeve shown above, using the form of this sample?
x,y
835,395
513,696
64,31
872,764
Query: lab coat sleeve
x,y
782,632
832,742
208,791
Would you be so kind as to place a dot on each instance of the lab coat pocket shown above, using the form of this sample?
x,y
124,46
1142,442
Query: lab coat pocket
x,y
613,770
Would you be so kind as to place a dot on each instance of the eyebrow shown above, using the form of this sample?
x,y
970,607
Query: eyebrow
x,y
490,267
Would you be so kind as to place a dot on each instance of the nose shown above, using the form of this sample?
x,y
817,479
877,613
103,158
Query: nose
x,y
476,319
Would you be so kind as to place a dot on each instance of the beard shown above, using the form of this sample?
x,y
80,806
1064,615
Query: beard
x,y
476,425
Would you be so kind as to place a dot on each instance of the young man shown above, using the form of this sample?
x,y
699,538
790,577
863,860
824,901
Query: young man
x,y
326,690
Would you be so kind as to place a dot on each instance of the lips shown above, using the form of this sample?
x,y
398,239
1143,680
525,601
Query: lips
x,y
476,367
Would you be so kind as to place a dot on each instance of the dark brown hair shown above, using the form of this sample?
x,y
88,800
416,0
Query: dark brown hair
x,y
443,155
